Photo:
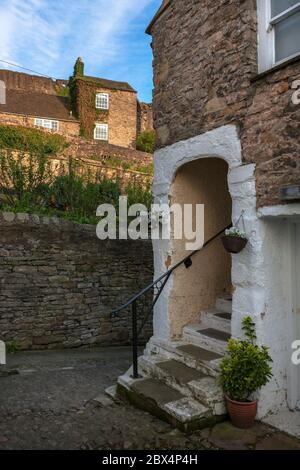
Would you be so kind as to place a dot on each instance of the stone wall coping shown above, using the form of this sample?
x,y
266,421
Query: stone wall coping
x,y
55,222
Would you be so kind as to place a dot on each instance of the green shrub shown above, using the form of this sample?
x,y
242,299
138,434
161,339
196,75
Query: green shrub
x,y
146,141
247,367
138,194
71,193
27,184
24,178
31,140
12,347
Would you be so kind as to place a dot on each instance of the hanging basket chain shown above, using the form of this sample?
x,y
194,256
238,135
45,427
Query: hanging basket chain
x,y
241,218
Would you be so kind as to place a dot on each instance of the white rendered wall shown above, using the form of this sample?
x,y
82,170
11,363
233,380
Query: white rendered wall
x,y
257,271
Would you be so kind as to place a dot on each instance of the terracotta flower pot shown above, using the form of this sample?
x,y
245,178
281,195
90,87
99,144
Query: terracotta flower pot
x,y
242,415
234,244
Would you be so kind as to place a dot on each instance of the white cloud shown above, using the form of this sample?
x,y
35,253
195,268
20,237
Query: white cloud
x,y
47,35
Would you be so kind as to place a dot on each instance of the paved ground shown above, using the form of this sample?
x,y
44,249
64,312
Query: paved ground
x,y
50,405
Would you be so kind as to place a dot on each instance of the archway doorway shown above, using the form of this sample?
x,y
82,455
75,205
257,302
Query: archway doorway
x,y
203,181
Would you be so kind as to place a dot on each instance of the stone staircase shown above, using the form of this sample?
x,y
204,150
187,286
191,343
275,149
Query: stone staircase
x,y
179,379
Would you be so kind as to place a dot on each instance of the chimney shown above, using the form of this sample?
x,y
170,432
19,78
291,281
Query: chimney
x,y
79,68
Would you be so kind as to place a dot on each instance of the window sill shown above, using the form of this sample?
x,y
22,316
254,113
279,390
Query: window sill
x,y
277,67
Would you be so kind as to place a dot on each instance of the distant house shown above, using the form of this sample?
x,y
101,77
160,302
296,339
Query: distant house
x,y
91,107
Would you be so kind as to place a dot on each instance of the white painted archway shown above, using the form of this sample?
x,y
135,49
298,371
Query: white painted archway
x,y
248,268
222,143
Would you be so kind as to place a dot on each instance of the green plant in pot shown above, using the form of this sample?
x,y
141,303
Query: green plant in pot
x,y
244,371
234,240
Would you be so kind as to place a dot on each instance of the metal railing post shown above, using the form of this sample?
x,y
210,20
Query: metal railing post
x,y
135,374
158,286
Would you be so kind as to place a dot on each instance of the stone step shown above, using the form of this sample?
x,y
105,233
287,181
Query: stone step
x,y
208,338
165,402
190,382
171,372
193,356
216,319
224,303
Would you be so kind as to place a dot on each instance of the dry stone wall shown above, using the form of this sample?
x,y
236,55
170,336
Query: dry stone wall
x,y
59,283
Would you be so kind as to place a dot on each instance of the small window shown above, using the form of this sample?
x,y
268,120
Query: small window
x,y
279,31
102,101
47,124
101,132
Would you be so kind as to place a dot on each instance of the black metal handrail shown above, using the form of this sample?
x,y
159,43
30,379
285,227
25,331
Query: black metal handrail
x,y
157,286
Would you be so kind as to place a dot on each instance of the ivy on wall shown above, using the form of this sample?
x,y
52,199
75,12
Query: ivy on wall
x,y
78,68
83,96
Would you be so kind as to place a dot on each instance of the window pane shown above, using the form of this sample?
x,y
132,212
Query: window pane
x,y
287,37
102,100
101,132
278,6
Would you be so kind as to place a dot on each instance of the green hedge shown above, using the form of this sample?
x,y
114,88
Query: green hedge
x,y
31,140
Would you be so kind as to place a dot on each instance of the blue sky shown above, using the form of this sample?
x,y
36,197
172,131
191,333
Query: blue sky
x,y
48,36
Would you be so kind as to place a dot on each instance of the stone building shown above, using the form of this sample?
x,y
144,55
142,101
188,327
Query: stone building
x,y
145,117
91,107
227,116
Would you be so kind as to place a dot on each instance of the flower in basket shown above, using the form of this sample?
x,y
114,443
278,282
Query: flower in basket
x,y
235,232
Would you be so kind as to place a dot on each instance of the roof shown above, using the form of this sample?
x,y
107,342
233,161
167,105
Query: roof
x,y
37,104
165,4
110,84
23,81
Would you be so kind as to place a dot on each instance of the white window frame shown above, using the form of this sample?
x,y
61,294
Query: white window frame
x,y
49,124
104,97
104,126
266,34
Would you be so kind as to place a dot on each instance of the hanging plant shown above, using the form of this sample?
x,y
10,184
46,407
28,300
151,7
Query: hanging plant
x,y
235,240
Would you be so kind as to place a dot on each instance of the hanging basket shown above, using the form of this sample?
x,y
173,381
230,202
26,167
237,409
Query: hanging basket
x,y
234,244
235,239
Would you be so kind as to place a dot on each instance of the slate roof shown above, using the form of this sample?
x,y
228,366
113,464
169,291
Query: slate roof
x,y
37,104
110,84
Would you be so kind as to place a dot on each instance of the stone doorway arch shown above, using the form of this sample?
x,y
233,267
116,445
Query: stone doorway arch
x,y
221,144
203,181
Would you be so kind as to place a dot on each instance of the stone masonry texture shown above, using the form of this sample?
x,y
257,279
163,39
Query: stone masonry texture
x,y
59,284
206,76
69,129
145,117
88,148
121,116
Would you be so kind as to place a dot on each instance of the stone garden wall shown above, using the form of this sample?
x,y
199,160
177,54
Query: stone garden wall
x,y
59,283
